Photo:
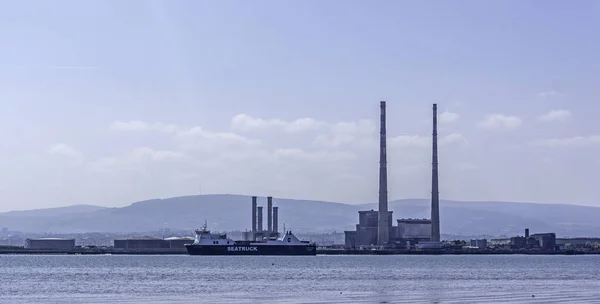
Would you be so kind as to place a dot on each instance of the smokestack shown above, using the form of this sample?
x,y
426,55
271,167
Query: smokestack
x,y
260,217
253,215
269,215
275,219
435,196
383,233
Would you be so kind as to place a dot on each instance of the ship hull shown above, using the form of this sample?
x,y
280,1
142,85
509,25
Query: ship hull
x,y
251,250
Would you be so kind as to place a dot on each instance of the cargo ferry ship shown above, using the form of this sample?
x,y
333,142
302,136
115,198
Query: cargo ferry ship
x,y
207,243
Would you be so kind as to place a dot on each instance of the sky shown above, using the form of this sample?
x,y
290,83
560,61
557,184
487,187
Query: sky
x,y
112,102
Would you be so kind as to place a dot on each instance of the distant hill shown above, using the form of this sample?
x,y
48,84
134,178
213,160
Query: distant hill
x,y
233,212
55,211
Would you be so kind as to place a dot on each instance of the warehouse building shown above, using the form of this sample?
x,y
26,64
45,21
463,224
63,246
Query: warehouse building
x,y
152,243
580,242
50,243
479,243
140,243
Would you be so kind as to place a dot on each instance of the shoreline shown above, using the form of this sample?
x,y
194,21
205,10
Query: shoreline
x,y
182,251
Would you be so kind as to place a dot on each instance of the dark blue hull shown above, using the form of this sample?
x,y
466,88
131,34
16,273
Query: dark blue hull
x,y
308,249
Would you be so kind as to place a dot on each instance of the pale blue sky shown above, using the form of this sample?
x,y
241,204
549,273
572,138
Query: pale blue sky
x,y
75,76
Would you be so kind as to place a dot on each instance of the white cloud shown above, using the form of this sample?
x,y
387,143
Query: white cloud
x,y
417,141
321,156
410,141
499,122
133,125
199,132
453,138
448,117
547,94
66,150
136,125
185,158
568,141
245,123
555,115
157,155
361,132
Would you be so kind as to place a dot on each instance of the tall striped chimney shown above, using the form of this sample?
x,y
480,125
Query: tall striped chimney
x,y
383,233
435,196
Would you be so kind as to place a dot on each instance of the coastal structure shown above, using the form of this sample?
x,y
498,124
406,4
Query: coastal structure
x,y
384,219
257,232
152,243
50,243
435,196
256,242
140,243
413,230
375,227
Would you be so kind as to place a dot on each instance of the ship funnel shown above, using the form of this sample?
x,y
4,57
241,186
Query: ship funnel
x,y
269,215
254,217
275,220
260,218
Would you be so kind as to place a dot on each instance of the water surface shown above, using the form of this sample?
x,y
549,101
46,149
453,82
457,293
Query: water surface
x,y
320,279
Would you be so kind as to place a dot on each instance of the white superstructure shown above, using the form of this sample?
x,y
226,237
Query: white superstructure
x,y
205,237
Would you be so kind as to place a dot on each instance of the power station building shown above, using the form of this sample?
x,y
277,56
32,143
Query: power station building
x,y
407,230
366,230
375,227
414,230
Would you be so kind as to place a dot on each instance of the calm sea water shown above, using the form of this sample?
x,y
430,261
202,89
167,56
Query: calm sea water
x,y
320,279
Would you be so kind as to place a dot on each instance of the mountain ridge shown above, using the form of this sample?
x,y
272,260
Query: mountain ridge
x,y
229,212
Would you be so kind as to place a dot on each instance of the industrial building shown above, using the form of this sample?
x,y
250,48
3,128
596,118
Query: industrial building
x,y
577,243
140,243
367,229
50,243
414,230
408,230
375,227
258,232
479,243
545,241
152,243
